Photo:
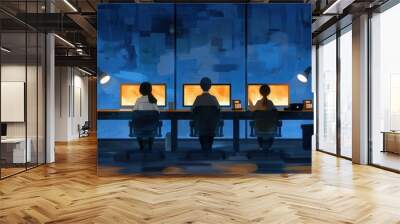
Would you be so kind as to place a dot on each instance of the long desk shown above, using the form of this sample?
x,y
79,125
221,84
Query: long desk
x,y
175,115
14,150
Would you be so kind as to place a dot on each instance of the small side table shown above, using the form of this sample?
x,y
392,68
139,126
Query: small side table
x,y
391,141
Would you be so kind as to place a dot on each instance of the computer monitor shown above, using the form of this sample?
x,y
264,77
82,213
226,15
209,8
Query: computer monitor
x,y
130,93
279,93
221,91
3,130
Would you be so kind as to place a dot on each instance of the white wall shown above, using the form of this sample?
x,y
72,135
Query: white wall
x,y
80,110
16,73
61,103
71,102
33,127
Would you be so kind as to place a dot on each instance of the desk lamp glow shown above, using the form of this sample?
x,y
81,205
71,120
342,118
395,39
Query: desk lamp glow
x,y
104,78
303,77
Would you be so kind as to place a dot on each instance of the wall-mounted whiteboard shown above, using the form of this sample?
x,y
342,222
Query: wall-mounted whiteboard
x,y
12,101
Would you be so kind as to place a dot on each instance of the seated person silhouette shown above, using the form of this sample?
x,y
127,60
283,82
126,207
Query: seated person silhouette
x,y
147,119
263,104
206,112
265,117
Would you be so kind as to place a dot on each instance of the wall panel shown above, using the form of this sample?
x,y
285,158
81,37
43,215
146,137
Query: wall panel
x,y
176,44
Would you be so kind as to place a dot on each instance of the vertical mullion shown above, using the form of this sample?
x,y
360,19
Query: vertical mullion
x,y
46,36
26,86
175,58
338,94
45,95
317,108
369,100
73,92
245,62
37,90
0,92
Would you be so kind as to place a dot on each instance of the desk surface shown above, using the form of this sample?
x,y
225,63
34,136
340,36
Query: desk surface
x,y
13,140
391,132
187,114
190,111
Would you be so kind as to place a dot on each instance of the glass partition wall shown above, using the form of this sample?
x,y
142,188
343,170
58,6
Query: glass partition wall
x,y
22,88
385,89
327,79
334,93
345,92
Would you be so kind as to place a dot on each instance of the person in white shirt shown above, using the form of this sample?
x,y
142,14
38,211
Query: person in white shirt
x,y
147,101
263,104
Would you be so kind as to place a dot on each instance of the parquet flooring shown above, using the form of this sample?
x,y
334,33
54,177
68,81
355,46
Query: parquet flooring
x,y
69,191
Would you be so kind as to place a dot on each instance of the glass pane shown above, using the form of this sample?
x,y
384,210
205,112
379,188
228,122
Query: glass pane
x,y
41,98
136,43
32,87
278,34
211,47
385,84
135,49
13,86
346,94
327,96
32,96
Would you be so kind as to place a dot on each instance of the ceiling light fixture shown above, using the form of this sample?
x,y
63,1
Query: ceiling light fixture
x,y
5,50
333,6
70,5
65,41
84,71
337,7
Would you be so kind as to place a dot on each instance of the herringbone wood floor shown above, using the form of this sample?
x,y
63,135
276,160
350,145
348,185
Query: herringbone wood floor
x,y
70,192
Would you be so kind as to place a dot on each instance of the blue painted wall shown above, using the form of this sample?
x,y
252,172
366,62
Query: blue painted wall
x,y
230,43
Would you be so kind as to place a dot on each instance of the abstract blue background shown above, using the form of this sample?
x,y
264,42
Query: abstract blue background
x,y
180,43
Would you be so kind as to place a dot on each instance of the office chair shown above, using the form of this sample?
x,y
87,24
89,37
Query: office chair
x,y
158,131
253,134
144,126
84,129
266,127
219,131
206,120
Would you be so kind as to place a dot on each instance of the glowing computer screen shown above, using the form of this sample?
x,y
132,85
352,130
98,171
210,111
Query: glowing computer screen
x,y
279,93
130,93
221,91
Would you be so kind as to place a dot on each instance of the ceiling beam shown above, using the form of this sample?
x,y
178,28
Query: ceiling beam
x,y
79,61
86,26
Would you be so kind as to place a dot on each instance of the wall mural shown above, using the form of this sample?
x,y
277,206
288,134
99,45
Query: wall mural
x,y
238,46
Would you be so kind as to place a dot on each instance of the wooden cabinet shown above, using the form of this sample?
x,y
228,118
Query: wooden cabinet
x,y
391,142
